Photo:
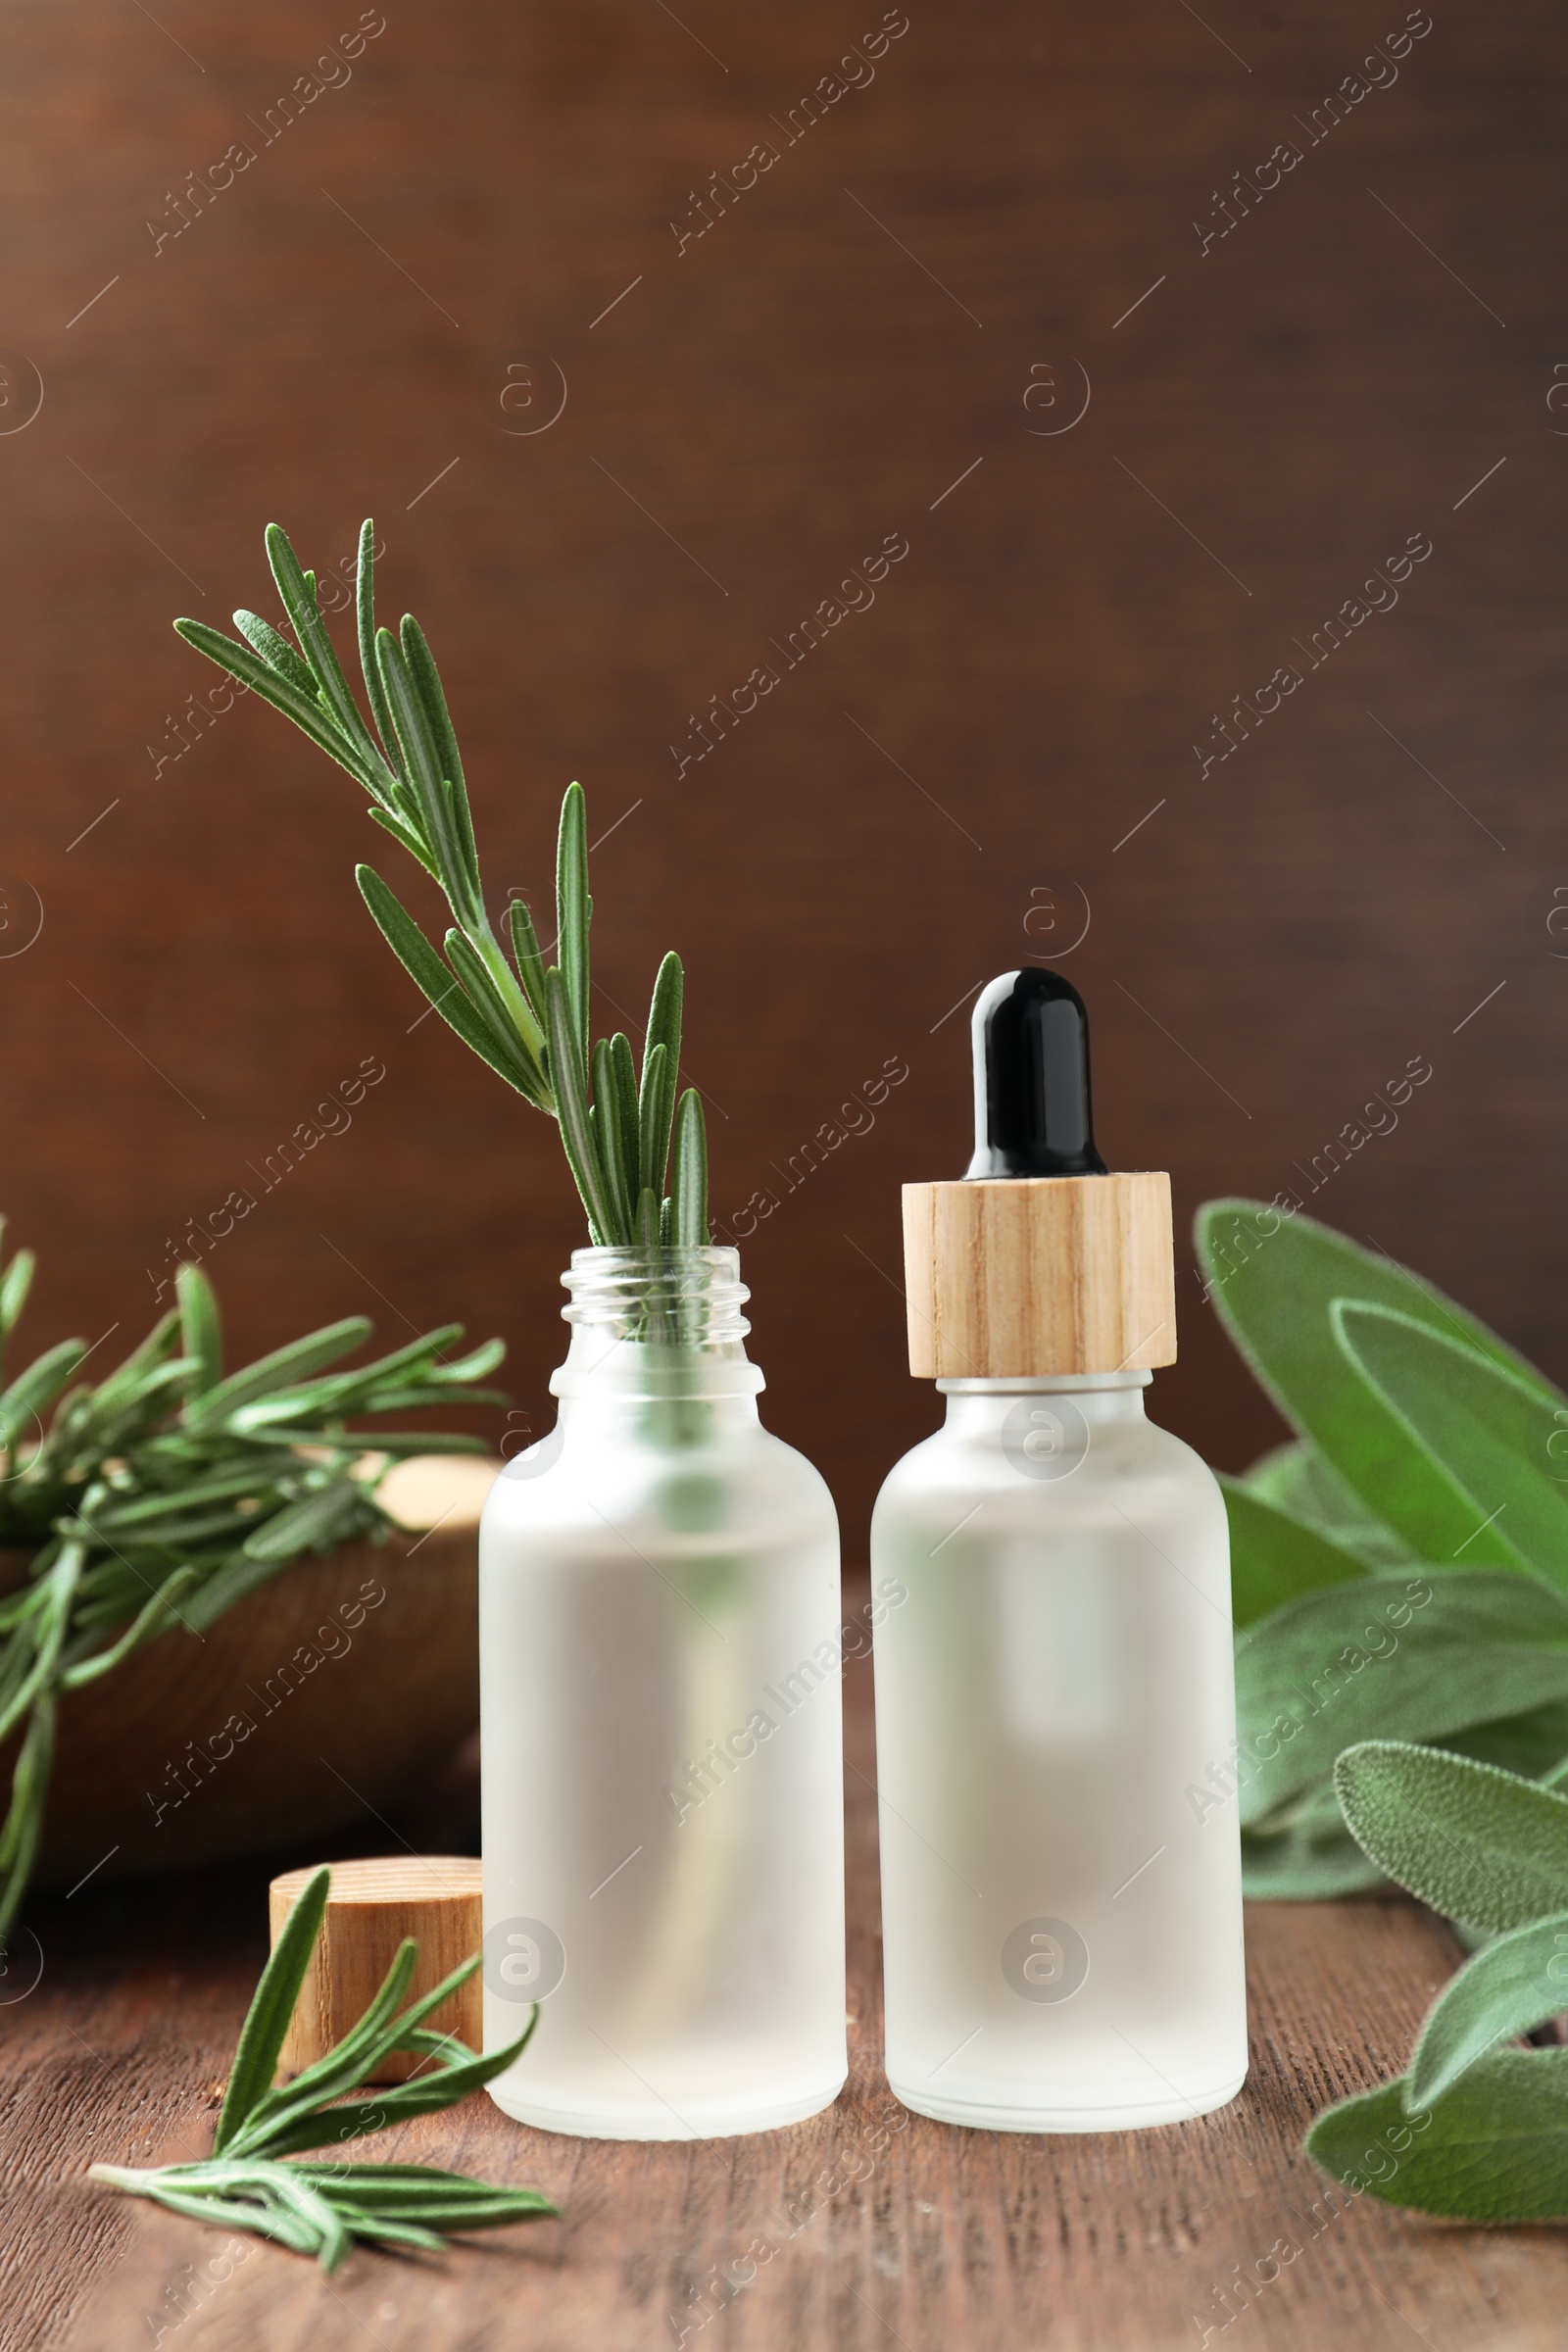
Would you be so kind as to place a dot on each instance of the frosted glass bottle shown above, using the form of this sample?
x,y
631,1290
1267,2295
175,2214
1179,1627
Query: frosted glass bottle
x,y
1062,1924
660,1691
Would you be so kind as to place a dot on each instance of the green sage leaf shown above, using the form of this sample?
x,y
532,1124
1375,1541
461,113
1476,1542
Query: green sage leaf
x,y
1507,1989
1494,1436
1481,1846
1274,1557
1493,2149
1390,1657
1273,1285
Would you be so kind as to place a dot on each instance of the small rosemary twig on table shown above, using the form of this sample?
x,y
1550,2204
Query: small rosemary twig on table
x,y
321,2209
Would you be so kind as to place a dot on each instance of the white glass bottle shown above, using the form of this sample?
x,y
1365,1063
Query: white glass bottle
x,y
660,1693
1061,1921
1062,1926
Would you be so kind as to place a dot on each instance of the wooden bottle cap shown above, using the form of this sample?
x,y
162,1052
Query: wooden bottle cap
x,y
1026,1277
436,1898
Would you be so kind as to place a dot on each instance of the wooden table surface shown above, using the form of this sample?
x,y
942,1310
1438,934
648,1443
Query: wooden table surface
x,y
883,2229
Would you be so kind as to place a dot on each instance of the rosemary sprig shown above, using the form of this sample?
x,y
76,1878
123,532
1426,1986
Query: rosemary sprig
x,y
529,1020
321,2209
167,1490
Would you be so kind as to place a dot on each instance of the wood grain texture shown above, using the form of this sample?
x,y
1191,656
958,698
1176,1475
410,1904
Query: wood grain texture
x,y
866,2227
962,775
1032,1278
372,1905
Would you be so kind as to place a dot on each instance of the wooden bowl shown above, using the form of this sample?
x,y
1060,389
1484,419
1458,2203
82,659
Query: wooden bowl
x,y
333,1691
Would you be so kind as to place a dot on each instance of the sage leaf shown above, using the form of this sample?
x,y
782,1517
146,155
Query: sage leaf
x,y
1306,1854
1508,1988
1496,1436
1296,1478
1274,1287
1390,1657
1493,2149
1531,1743
1274,1557
1484,1847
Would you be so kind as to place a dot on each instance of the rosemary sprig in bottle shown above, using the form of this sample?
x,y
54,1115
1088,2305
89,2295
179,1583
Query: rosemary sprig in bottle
x,y
530,1020
321,2209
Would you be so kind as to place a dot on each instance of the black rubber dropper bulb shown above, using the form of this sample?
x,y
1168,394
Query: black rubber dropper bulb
x,y
1031,1079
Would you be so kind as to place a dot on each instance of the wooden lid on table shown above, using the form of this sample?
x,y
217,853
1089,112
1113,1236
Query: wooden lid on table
x,y
436,1898
1029,1277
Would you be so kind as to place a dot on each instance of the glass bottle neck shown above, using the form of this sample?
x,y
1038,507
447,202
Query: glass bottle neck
x,y
978,1409
656,1328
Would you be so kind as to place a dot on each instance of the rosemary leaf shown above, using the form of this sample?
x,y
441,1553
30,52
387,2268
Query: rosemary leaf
x,y
568,1088
365,620
163,1604
654,1112
14,1289
525,949
407,836
271,2006
610,1135
425,968
276,652
625,1076
421,763
298,591
200,1330
491,1009
321,2209
415,779
688,1198
261,679
573,910
293,1362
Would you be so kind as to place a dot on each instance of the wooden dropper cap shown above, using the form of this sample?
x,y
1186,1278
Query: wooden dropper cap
x,y
370,1906
1038,1262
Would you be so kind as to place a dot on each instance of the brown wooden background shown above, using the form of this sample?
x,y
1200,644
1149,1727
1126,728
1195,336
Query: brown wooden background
x,y
332,336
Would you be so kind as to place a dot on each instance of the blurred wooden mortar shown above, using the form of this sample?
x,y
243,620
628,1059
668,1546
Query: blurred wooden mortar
x,y
334,1688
